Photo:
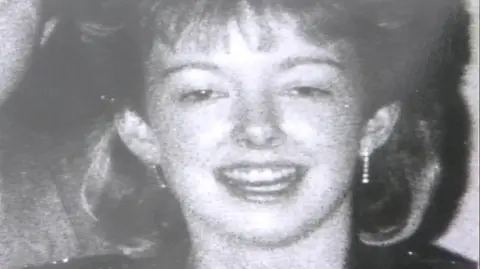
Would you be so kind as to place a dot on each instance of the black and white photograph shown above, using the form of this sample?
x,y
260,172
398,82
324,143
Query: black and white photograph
x,y
239,134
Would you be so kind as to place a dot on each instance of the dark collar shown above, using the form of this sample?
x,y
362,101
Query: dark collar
x,y
428,257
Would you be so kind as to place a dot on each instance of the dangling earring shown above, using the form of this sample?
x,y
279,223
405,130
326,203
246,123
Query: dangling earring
x,y
366,166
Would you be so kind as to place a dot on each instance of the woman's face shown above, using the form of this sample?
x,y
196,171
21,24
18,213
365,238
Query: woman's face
x,y
18,24
258,144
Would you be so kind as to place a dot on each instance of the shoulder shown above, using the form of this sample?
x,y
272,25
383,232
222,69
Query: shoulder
x,y
432,257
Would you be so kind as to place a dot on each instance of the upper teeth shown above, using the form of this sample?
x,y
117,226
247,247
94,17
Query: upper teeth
x,y
263,174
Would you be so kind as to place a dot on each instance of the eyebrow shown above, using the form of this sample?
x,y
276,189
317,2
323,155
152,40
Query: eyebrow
x,y
292,62
286,64
190,65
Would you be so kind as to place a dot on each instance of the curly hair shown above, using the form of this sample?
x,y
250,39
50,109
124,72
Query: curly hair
x,y
412,51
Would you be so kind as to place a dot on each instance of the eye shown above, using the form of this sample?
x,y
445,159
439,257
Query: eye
x,y
309,92
201,95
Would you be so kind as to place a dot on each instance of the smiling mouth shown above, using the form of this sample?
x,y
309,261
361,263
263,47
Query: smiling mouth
x,y
261,183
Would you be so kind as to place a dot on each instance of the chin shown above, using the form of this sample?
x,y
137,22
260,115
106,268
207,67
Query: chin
x,y
270,232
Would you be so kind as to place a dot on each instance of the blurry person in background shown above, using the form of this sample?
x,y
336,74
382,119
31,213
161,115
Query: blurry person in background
x,y
53,85
22,24
20,30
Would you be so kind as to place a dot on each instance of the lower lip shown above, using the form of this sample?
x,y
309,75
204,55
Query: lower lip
x,y
268,193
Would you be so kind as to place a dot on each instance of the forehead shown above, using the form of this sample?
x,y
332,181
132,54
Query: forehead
x,y
260,32
277,34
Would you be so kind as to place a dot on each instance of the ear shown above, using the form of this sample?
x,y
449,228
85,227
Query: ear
x,y
138,137
379,127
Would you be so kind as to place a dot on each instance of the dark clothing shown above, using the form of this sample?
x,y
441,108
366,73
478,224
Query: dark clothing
x,y
430,257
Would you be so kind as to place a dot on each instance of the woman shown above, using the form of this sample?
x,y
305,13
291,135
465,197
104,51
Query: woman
x,y
258,117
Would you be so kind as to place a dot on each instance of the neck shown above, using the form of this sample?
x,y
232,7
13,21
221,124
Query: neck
x,y
327,247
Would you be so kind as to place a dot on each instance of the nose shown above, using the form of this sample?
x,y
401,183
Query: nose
x,y
259,128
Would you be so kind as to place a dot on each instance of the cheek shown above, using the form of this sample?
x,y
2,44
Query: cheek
x,y
190,140
323,126
191,134
330,137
